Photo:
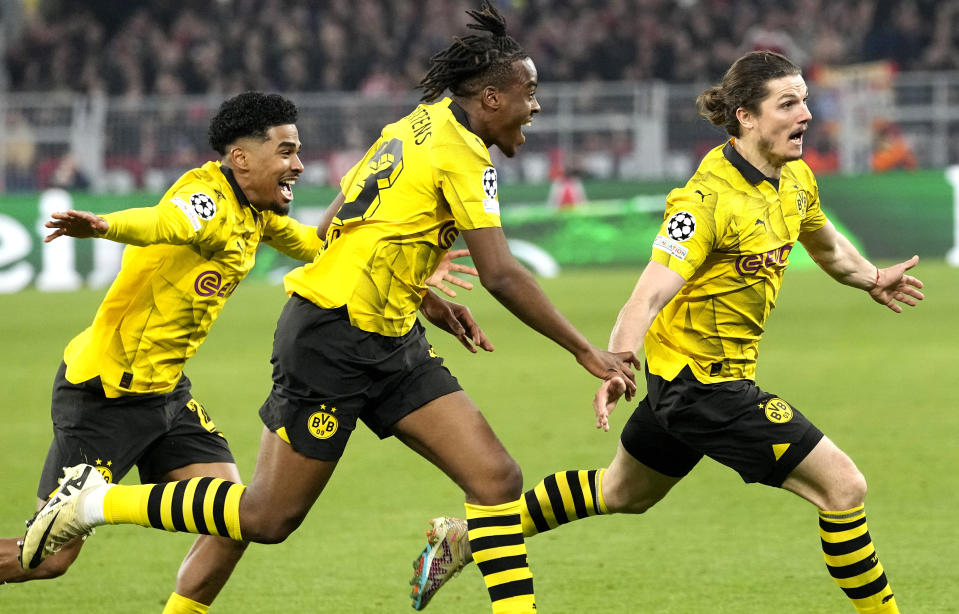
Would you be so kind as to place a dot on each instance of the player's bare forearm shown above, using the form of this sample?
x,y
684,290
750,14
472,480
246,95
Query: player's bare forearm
x,y
654,289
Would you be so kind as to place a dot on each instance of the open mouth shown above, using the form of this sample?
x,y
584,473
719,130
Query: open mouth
x,y
286,188
796,137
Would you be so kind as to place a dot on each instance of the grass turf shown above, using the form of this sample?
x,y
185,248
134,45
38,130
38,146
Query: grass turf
x,y
880,385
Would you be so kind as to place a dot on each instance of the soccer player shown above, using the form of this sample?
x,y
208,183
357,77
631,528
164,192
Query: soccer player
x,y
699,309
120,397
348,345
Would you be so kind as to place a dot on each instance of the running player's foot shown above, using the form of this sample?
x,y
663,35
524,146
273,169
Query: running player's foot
x,y
58,521
447,552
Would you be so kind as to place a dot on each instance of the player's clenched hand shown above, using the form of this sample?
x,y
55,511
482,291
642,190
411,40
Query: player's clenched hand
x,y
445,270
892,285
455,319
605,400
79,224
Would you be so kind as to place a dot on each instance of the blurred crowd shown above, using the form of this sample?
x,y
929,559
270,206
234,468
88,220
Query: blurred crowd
x,y
133,49
144,55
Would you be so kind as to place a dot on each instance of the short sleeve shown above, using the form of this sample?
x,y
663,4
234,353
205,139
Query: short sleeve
x,y
470,185
688,233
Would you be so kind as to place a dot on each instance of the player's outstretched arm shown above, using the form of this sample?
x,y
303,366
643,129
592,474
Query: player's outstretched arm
x,y
893,286
77,224
444,273
836,255
455,319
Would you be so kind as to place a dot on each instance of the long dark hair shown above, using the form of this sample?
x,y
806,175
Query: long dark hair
x,y
744,85
473,61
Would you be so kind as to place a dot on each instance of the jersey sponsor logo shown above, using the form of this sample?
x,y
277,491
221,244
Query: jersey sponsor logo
x,y
671,247
777,410
188,211
681,226
323,424
447,235
209,283
203,205
750,264
489,182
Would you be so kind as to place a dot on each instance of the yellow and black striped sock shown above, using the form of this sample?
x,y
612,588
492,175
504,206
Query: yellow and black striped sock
x,y
210,506
853,563
496,540
561,498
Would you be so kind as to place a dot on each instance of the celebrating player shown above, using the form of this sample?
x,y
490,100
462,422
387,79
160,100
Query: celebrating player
x,y
120,397
348,345
699,310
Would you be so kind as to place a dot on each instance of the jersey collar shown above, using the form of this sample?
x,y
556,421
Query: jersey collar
x,y
240,196
460,114
752,174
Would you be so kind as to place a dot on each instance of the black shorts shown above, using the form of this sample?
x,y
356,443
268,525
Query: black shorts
x,y
156,432
754,432
327,374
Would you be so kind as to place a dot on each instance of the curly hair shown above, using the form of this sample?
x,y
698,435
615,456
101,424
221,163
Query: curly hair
x,y
473,61
249,114
743,85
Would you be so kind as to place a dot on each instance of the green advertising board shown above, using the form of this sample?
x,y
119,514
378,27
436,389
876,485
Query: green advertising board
x,y
889,216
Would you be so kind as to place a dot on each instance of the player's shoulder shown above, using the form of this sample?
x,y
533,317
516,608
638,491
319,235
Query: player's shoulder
x,y
800,173
201,193
452,136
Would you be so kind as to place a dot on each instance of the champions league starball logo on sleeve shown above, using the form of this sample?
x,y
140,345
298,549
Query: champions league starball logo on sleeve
x,y
203,205
681,226
489,182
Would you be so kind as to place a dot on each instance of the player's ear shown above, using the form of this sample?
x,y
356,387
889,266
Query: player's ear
x,y
238,157
745,117
491,97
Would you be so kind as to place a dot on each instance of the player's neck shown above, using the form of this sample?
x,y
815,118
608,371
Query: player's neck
x,y
752,153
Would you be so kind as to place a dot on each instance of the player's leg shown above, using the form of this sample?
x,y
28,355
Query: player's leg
x,y
829,479
452,434
211,560
53,567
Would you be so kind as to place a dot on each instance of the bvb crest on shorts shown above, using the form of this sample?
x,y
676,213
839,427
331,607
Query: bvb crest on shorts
x,y
103,466
323,424
777,410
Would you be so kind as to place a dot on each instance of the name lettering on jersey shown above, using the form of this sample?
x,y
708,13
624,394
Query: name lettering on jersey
x,y
188,211
750,264
209,283
421,125
671,247
323,424
447,235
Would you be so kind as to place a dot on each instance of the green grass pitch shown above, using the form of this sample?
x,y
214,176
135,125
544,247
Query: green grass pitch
x,y
882,386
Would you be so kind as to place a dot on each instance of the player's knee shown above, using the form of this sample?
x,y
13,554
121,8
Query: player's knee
x,y
498,483
847,492
271,528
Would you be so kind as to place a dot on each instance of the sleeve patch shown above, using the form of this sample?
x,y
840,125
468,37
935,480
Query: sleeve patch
x,y
204,206
671,247
489,183
681,226
491,205
188,211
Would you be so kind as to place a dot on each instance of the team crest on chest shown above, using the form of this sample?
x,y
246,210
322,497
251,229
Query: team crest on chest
x,y
203,205
681,226
489,182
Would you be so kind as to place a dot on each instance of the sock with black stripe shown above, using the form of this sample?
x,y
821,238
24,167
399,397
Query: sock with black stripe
x,y
496,539
209,506
853,563
561,498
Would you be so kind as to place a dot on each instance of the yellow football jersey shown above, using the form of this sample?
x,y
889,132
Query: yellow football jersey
x,y
728,232
184,258
424,180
